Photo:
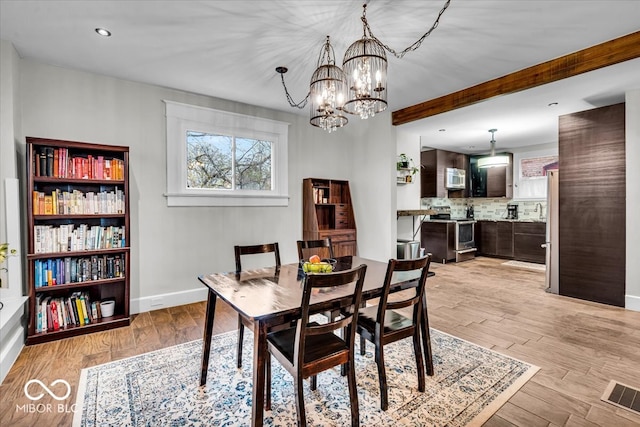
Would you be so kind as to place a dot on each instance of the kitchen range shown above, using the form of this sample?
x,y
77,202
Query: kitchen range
x,y
447,238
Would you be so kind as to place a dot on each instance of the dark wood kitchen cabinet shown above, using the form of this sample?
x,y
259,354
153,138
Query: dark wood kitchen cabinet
x,y
486,237
528,238
328,212
504,239
433,165
439,238
495,238
491,182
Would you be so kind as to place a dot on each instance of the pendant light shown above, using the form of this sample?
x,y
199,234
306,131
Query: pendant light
x,y
327,92
493,160
365,66
360,87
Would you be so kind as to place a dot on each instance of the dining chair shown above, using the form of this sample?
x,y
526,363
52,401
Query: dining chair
x,y
321,247
310,348
251,250
382,324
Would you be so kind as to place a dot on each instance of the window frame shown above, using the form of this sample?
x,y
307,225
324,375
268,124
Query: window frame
x,y
183,117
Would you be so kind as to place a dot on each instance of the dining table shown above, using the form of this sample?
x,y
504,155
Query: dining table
x,y
270,298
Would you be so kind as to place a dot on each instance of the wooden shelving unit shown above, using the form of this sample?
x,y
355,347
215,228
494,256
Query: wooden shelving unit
x,y
57,233
328,212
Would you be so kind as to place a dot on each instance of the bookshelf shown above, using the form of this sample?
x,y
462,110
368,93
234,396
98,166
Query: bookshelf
x,y
328,212
78,237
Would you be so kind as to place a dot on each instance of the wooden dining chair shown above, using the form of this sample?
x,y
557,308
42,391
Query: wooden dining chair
x,y
251,250
382,324
310,348
322,247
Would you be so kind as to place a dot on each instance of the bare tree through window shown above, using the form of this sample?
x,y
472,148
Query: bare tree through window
x,y
224,162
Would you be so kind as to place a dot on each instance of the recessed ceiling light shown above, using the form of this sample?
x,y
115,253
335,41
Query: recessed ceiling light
x,y
552,104
103,32
441,130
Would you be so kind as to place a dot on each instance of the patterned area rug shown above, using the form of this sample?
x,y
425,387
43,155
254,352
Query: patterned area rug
x,y
529,265
161,388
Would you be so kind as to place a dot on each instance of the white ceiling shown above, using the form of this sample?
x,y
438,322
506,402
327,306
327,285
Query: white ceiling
x,y
229,49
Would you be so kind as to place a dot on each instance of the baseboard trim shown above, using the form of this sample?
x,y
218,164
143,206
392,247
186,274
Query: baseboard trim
x,y
632,302
172,299
11,348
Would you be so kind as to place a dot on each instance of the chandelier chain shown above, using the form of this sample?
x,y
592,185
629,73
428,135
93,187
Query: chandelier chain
x,y
415,45
292,103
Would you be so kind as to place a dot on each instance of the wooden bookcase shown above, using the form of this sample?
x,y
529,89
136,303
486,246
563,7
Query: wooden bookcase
x,y
78,236
328,212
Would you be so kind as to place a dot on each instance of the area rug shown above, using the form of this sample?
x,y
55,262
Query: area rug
x,y
529,265
161,388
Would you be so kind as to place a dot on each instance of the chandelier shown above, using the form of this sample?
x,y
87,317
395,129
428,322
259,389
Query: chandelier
x,y
360,87
327,92
493,160
363,60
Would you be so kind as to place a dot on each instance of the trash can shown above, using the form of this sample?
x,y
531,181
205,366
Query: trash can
x,y
408,249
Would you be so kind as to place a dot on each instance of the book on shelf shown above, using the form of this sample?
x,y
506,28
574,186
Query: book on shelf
x,y
70,270
76,309
57,163
76,202
77,237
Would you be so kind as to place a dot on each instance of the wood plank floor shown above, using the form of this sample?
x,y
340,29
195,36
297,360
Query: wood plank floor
x,y
578,345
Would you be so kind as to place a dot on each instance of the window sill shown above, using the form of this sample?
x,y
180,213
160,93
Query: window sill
x,y
226,200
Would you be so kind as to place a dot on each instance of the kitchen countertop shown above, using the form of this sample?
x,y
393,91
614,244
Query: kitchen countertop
x,y
513,220
417,212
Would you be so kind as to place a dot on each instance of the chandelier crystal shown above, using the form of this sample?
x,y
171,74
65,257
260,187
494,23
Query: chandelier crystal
x,y
327,92
365,66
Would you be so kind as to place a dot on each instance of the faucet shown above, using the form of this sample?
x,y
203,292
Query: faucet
x,y
540,217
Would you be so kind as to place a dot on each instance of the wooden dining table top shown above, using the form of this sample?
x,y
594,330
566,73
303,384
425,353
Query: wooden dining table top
x,y
267,292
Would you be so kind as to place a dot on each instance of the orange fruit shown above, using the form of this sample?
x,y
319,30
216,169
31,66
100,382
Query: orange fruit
x,y
314,259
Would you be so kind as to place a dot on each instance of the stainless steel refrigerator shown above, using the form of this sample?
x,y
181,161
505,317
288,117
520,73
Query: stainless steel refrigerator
x,y
551,244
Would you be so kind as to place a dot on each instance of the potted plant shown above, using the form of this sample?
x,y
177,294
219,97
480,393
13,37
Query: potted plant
x,y
403,162
406,163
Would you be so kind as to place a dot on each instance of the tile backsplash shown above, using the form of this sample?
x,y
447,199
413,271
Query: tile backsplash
x,y
484,208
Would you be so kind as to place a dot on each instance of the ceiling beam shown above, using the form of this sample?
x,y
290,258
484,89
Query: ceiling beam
x,y
592,58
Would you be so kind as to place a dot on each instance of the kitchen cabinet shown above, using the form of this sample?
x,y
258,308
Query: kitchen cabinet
x,y
516,240
328,212
439,239
495,238
504,239
491,182
433,165
527,240
486,232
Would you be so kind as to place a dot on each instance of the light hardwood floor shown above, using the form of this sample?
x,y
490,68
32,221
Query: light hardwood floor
x,y
578,345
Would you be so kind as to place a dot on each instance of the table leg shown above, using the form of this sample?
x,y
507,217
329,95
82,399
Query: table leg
x,y
259,354
426,340
206,339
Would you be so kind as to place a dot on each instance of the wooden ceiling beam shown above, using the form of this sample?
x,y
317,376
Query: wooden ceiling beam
x,y
592,58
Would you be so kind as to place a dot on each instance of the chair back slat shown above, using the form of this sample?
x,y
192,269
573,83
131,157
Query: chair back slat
x,y
329,327
254,250
396,305
321,247
355,277
415,300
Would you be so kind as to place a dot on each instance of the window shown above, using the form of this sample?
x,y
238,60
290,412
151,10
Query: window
x,y
216,158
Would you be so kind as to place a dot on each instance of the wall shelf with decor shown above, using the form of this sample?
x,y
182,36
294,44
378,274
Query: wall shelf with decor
x,y
78,238
328,212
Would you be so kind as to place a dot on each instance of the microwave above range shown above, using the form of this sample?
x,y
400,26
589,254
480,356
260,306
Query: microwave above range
x,y
455,179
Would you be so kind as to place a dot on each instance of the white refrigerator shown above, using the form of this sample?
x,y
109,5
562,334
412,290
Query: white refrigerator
x,y
551,243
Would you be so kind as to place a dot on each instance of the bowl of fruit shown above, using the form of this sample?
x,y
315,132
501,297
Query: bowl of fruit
x,y
315,264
